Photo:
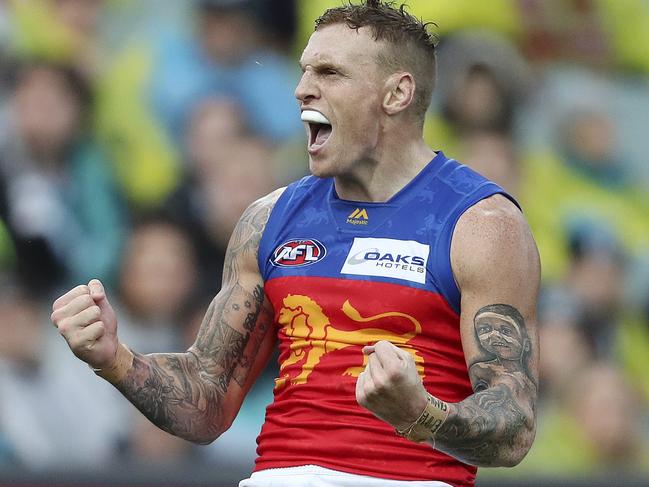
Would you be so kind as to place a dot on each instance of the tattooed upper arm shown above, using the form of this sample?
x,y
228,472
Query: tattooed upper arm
x,y
496,265
240,312
196,395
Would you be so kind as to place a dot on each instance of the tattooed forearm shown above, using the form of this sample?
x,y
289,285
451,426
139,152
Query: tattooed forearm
x,y
495,426
186,394
164,388
490,428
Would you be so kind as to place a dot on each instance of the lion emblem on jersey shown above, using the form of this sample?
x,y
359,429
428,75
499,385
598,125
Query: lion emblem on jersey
x,y
313,336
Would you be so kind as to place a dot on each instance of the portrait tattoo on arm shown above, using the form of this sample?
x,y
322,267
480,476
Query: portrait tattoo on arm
x,y
184,393
501,333
492,426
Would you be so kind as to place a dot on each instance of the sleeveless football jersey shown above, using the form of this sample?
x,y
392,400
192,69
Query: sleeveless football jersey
x,y
341,275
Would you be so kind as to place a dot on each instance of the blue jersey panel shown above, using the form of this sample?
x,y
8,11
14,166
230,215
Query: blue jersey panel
x,y
406,240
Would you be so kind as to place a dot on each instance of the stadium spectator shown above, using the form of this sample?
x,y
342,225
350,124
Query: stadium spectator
x,y
601,33
62,31
227,168
156,279
494,155
155,82
38,381
595,279
486,78
565,352
593,427
21,342
572,30
46,406
226,56
279,18
592,299
56,193
156,282
582,176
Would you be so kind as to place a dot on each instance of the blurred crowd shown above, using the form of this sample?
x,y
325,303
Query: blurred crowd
x,y
133,133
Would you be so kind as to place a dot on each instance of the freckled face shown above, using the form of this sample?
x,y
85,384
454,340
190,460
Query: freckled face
x,y
499,335
342,80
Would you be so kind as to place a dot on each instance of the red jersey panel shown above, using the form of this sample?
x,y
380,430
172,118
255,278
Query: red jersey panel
x,y
323,324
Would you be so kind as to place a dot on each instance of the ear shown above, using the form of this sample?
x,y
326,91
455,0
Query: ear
x,y
399,93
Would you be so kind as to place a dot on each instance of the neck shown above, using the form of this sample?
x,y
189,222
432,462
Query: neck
x,y
379,178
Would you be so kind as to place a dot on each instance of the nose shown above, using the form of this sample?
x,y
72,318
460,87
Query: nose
x,y
491,335
306,89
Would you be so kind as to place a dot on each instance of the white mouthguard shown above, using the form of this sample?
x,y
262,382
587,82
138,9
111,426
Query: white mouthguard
x,y
314,117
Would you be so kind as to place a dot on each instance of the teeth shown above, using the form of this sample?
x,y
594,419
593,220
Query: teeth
x,y
314,117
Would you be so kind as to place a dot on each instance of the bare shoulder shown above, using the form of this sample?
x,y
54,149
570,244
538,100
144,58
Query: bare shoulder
x,y
253,221
493,235
493,217
242,249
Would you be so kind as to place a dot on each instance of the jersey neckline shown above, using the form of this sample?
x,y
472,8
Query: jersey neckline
x,y
429,170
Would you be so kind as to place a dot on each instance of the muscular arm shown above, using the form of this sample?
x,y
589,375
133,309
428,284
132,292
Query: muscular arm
x,y
497,268
197,394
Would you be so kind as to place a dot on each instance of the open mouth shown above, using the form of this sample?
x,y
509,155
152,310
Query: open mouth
x,y
319,129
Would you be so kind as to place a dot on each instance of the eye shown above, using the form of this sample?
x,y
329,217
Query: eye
x,y
330,72
482,329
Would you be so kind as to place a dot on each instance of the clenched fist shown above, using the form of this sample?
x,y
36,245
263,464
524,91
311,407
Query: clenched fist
x,y
390,386
88,323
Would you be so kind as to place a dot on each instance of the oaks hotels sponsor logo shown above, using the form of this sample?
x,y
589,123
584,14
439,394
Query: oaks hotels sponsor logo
x,y
358,217
298,253
386,257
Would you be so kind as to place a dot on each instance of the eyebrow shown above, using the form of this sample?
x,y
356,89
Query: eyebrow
x,y
319,65
503,318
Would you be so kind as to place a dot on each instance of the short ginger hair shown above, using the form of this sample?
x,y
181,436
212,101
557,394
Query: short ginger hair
x,y
411,44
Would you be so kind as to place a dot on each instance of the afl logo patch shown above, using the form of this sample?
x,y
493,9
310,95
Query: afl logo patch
x,y
298,253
